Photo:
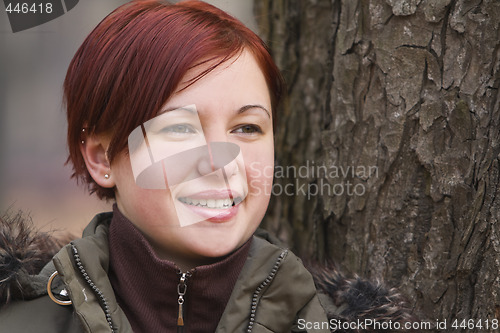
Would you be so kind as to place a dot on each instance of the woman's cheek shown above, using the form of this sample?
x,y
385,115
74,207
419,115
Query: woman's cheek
x,y
259,166
260,177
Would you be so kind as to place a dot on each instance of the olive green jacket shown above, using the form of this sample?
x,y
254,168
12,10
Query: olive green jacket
x,y
273,292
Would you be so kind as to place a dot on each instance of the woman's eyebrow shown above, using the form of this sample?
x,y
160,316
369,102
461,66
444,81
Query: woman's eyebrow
x,y
240,110
252,106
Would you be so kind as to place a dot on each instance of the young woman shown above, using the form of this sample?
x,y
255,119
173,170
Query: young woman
x,y
171,112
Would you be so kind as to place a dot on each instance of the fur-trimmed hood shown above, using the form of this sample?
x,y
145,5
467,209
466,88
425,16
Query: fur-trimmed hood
x,y
24,251
349,300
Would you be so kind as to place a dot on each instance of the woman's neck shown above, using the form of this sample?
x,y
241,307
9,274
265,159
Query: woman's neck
x,y
146,284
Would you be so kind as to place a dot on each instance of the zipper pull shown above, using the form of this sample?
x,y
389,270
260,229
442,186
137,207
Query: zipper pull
x,y
181,290
180,319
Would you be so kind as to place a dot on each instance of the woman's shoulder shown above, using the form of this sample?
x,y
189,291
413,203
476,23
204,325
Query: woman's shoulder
x,y
25,262
344,298
39,314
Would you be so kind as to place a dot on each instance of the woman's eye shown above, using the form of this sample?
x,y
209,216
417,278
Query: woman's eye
x,y
179,129
248,129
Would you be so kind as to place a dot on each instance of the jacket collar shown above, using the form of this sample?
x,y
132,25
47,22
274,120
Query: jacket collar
x,y
261,265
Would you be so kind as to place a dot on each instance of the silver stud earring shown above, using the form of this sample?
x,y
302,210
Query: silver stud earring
x,y
106,176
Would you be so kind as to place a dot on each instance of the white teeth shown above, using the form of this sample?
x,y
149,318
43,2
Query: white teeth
x,y
211,203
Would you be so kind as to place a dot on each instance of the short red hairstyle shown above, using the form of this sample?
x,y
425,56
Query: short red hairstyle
x,y
134,60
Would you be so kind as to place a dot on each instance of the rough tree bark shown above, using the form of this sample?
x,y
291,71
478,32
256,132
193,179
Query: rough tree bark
x,y
401,99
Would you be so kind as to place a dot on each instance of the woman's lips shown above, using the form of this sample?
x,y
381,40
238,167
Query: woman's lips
x,y
212,194
213,206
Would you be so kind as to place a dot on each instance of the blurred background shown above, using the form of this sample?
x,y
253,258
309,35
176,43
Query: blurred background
x,y
33,64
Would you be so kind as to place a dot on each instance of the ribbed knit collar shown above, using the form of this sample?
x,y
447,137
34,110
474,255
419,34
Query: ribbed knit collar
x,y
146,286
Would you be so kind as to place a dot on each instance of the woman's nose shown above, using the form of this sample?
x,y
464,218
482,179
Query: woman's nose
x,y
219,156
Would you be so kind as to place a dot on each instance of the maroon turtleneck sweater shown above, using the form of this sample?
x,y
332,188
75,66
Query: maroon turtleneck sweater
x,y
146,286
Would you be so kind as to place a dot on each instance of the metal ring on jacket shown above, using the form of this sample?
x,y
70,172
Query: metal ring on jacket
x,y
51,295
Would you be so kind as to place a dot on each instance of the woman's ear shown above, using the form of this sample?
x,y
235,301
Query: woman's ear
x,y
94,151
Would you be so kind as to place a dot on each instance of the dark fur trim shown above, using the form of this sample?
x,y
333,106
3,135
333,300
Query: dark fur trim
x,y
359,299
23,251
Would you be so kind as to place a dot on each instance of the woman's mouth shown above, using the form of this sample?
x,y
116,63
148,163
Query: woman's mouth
x,y
212,206
211,203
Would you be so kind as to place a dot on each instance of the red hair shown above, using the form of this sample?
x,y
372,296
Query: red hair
x,y
134,60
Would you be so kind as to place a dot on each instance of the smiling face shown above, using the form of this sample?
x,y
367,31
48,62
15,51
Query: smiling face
x,y
213,141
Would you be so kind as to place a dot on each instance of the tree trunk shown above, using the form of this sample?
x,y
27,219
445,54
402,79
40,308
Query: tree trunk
x,y
392,123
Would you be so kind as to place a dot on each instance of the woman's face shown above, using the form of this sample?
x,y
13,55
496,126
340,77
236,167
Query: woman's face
x,y
212,147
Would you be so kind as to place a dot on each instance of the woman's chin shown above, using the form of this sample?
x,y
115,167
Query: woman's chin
x,y
215,250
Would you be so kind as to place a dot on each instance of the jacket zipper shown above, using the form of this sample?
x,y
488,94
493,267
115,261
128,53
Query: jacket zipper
x,y
102,300
181,291
260,288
